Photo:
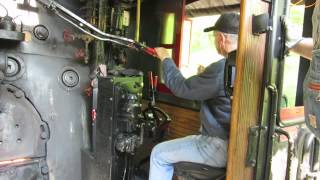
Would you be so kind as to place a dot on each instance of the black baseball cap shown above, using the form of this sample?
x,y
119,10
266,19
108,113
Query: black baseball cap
x,y
227,23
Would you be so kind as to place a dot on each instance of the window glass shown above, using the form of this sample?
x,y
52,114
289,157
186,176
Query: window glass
x,y
202,51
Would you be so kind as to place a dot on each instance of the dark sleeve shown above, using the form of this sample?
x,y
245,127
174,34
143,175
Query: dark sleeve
x,y
200,87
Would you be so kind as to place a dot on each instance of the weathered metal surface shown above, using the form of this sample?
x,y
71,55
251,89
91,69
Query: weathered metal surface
x,y
118,110
23,137
11,35
29,170
54,83
22,132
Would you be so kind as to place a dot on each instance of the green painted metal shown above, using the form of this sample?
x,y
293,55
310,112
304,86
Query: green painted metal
x,y
167,36
132,84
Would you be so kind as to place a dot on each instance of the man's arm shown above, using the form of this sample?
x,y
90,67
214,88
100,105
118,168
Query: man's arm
x,y
304,48
200,87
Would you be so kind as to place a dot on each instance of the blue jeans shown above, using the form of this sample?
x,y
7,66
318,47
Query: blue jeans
x,y
311,94
201,149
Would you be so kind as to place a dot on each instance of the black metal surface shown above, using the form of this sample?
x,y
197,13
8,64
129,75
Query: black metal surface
x,y
63,108
194,171
260,23
11,35
53,82
270,77
93,31
93,167
156,122
6,23
116,127
252,146
230,73
36,169
23,137
23,134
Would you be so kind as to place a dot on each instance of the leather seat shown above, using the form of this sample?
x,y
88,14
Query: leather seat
x,y
195,171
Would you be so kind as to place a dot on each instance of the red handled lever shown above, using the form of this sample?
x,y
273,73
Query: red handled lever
x,y
150,75
155,82
150,51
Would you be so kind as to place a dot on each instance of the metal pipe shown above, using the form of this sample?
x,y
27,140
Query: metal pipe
x,y
272,124
290,151
81,22
292,122
95,36
137,35
274,103
14,161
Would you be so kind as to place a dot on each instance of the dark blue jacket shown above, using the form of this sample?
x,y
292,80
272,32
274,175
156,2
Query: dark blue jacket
x,y
208,88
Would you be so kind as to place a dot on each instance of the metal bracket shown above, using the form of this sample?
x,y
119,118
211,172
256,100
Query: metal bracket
x,y
253,145
260,24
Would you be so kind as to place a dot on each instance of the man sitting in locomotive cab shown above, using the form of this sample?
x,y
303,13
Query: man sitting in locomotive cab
x,y
210,147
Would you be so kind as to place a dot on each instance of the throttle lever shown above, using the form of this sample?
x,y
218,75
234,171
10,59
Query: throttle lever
x,y
150,75
155,82
150,51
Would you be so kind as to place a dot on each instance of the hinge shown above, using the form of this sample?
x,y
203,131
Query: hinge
x,y
253,145
260,24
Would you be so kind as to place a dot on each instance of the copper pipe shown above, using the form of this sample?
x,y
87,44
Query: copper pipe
x,y
14,161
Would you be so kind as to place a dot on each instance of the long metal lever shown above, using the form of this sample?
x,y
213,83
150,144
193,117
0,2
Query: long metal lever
x,y
83,25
